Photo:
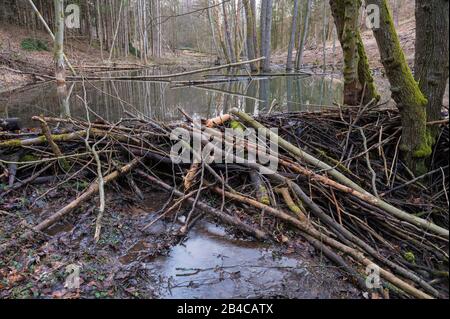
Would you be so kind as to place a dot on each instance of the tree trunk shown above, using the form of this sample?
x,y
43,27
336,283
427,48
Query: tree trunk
x,y
416,141
226,25
357,75
213,32
251,33
262,30
432,54
59,42
266,34
292,38
304,37
255,34
60,68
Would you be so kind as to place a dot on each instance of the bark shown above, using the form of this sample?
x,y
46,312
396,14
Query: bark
x,y
255,34
251,33
416,141
304,37
432,54
213,31
60,67
262,30
60,70
268,36
292,38
99,27
229,42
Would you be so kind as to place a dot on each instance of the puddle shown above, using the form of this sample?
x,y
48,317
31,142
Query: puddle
x,y
211,265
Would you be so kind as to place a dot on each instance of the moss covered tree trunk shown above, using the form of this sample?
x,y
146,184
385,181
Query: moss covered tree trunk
x,y
432,54
359,84
416,142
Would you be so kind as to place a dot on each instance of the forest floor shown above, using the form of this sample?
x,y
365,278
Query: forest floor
x,y
19,67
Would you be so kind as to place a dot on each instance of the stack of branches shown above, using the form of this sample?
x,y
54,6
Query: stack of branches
x,y
340,184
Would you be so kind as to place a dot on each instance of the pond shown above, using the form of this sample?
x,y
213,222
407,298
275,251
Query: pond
x,y
161,100
211,265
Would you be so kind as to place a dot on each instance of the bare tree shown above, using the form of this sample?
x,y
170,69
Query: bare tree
x,y
266,33
251,37
304,36
292,38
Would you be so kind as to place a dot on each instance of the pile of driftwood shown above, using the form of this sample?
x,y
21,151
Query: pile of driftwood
x,y
340,184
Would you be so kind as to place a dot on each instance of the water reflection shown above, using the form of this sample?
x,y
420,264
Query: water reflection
x,y
161,100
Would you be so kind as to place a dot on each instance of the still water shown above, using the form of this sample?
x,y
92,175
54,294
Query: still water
x,y
161,100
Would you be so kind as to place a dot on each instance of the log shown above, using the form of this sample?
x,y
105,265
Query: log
x,y
15,143
166,76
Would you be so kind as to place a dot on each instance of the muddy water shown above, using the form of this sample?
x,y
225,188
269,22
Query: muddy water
x,y
210,264
161,100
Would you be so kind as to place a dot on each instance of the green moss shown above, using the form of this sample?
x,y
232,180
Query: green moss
x,y
295,209
424,151
264,196
133,50
236,125
28,158
30,44
425,148
11,143
410,257
64,164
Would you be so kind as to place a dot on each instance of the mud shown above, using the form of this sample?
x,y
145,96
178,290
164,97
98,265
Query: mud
x,y
210,262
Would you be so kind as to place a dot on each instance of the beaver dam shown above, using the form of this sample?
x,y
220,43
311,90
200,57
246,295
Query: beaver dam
x,y
339,211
